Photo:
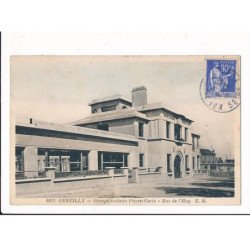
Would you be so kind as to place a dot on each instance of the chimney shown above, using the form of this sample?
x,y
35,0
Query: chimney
x,y
139,96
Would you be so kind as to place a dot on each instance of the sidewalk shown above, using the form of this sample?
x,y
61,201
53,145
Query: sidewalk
x,y
209,187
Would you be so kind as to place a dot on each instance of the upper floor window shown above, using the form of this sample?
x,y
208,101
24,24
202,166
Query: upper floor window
x,y
186,134
193,143
108,108
168,129
177,132
141,129
103,127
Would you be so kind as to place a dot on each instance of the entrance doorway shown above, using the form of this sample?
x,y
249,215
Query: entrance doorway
x,y
177,167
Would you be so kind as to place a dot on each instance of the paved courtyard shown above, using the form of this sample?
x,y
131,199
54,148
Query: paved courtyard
x,y
209,187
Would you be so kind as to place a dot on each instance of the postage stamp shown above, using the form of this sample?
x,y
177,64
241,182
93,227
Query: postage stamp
x,y
220,88
125,130
220,78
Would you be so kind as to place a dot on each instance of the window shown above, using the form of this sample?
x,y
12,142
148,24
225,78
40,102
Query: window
x,y
104,127
141,129
108,108
177,132
193,163
193,143
112,159
186,163
168,130
197,142
169,163
186,134
125,160
206,159
198,162
141,160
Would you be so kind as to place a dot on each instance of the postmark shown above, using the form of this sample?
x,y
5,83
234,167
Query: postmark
x,y
220,88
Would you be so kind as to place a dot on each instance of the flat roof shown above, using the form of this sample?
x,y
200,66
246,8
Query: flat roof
x,y
111,115
160,105
139,88
109,98
205,151
66,128
196,134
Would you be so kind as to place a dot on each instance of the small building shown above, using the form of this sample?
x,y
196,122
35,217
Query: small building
x,y
207,156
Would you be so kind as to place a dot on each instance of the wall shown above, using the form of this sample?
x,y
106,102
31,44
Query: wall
x,y
157,155
66,184
118,103
124,126
88,144
150,177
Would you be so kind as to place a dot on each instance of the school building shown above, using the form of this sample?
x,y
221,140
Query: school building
x,y
119,133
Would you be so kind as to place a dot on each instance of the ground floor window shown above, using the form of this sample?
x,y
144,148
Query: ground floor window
x,y
193,163
112,159
63,160
198,162
169,163
141,160
186,163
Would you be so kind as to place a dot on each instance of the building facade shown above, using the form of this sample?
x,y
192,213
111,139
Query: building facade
x,y
118,133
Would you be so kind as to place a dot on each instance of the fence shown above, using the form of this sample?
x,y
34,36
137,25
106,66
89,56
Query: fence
x,y
20,175
68,181
80,173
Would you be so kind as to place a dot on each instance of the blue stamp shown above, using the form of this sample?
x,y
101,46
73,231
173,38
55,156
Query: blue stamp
x,y
220,78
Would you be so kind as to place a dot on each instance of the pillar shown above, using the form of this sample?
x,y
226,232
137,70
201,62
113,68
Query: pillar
x,y
135,174
133,159
50,172
60,162
81,164
125,172
183,133
111,171
136,129
93,160
163,167
162,128
171,131
172,165
30,162
47,158
183,167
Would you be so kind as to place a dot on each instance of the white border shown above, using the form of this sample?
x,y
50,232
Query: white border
x,y
125,44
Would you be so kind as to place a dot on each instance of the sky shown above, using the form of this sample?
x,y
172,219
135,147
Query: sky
x,y
59,88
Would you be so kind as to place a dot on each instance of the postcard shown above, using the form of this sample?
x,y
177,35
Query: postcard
x,y
125,130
